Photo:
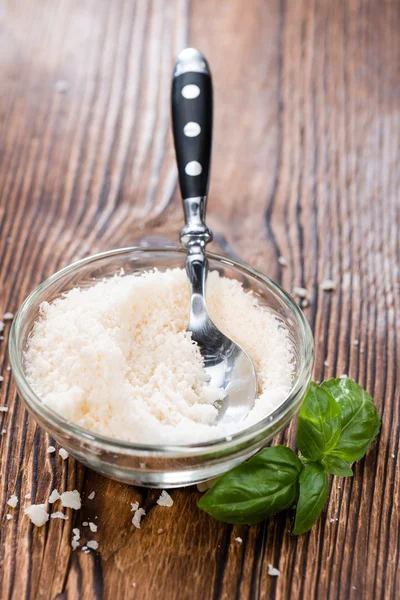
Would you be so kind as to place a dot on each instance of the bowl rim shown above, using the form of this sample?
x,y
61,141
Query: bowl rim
x,y
46,413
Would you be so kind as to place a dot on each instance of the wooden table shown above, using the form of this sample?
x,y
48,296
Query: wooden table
x,y
305,166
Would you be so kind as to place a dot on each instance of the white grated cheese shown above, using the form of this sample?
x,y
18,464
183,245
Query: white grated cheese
x,y
91,496
28,496
13,501
37,514
9,517
85,523
344,376
51,449
54,496
1,326
77,533
326,364
134,506
71,499
59,515
1,378
116,358
273,571
328,285
165,499
282,261
137,517
93,544
92,527
63,453
238,539
3,408
74,544
8,316
300,292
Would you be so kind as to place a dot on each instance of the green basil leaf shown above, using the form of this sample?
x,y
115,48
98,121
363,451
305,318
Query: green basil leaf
x,y
337,466
319,423
360,421
313,482
257,489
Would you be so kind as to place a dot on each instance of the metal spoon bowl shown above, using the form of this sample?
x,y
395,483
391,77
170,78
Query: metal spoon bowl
x,y
226,363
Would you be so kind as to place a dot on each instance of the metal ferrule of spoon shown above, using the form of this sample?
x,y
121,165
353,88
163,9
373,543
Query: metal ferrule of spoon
x,y
226,363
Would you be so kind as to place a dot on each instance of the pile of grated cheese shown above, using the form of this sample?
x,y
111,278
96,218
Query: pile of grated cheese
x,y
116,358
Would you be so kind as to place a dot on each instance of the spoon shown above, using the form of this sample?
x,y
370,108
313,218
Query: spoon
x,y
225,362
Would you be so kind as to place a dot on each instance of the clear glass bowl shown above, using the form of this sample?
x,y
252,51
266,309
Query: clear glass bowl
x,y
160,466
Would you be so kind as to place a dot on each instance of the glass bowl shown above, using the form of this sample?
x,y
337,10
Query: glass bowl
x,y
161,466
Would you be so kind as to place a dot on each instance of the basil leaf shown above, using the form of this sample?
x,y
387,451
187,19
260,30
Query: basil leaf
x,y
319,423
337,466
313,493
360,421
255,490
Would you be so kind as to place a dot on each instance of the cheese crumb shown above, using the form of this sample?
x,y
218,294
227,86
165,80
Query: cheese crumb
x,y
71,499
160,531
328,285
165,499
37,514
1,326
137,517
300,292
356,342
51,449
238,539
13,501
28,496
134,506
63,453
85,523
74,544
282,261
1,378
93,544
59,515
54,496
77,533
9,517
3,408
273,571
393,456
92,527
8,316
344,376
326,364
91,496
304,303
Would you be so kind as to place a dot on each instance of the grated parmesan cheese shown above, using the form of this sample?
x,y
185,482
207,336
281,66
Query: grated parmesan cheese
x,y
91,496
92,527
37,514
71,500
328,285
54,496
63,453
93,544
273,571
8,316
165,499
3,408
51,449
59,515
13,501
9,517
137,517
116,358
238,539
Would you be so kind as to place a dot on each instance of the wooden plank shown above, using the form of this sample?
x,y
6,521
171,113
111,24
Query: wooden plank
x,y
304,166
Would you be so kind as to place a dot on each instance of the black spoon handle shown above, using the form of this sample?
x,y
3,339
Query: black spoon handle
x,y
192,108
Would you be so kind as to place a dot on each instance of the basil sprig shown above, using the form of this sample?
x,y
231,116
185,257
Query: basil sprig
x,y
338,422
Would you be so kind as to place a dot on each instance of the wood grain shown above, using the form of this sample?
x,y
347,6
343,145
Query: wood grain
x,y
305,165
